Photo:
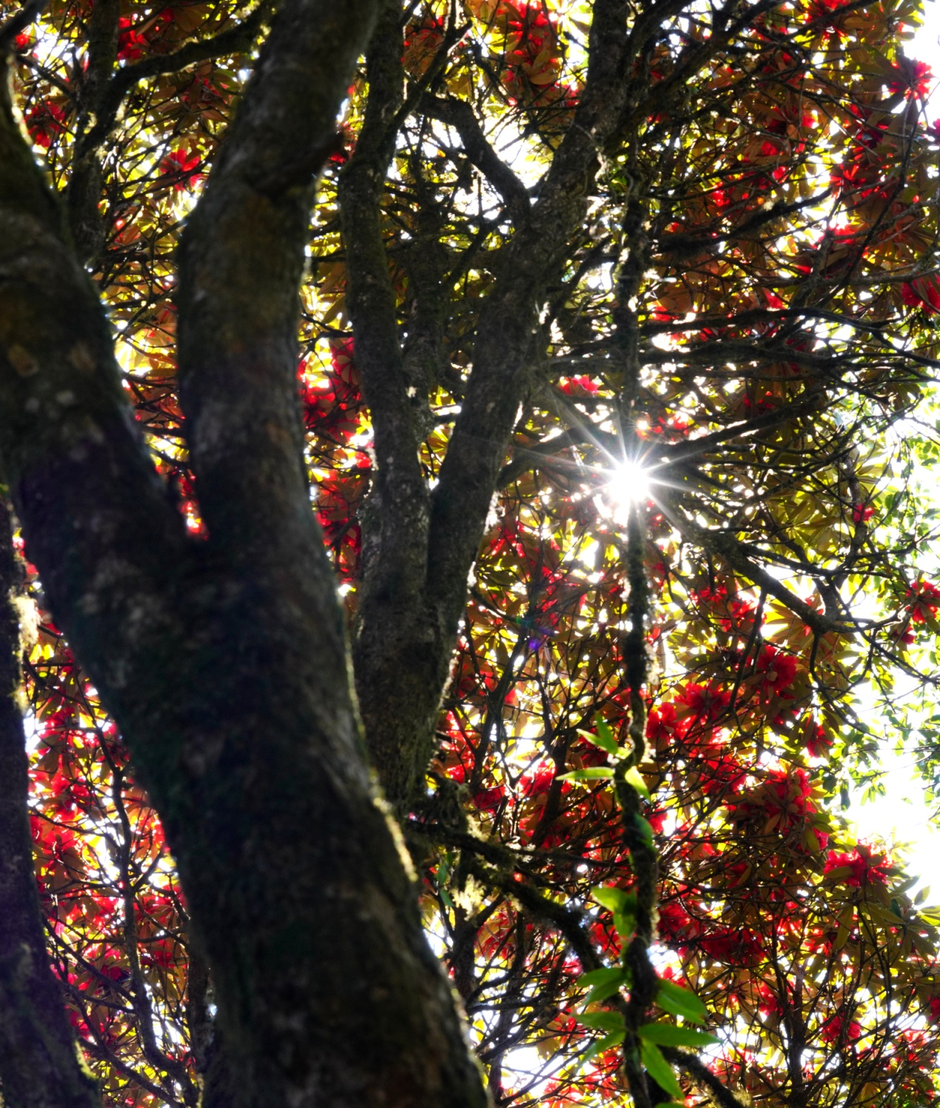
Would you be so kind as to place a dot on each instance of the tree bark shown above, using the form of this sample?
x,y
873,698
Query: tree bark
x,y
415,585
225,662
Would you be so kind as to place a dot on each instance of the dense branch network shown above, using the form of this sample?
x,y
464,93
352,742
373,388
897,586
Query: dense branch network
x,y
555,247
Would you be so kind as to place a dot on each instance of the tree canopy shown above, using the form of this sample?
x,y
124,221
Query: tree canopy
x,y
470,533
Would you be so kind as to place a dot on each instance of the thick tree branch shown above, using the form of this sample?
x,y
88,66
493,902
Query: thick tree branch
x,y
509,319
498,381
392,684
400,486
241,260
567,921
459,114
84,188
525,458
95,514
224,662
426,262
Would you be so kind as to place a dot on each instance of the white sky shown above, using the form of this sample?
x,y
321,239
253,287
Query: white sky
x,y
924,46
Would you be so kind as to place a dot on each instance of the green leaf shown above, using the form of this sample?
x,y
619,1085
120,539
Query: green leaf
x,y
605,991
681,1002
668,1034
604,983
659,1069
614,899
621,904
607,1020
592,773
605,742
600,976
633,777
605,734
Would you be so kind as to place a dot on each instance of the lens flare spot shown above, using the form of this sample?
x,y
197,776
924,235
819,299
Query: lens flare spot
x,y
629,484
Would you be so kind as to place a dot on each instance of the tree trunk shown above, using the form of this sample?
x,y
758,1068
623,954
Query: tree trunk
x,y
225,662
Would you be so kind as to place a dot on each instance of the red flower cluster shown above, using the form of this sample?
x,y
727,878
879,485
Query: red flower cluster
x,y
135,39
733,947
861,177
780,804
45,122
835,1029
861,867
923,600
181,169
339,496
423,38
922,292
777,671
332,410
913,79
825,15
531,59
578,386
706,704
816,738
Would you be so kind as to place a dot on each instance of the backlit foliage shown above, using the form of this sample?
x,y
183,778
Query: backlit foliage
x,y
749,312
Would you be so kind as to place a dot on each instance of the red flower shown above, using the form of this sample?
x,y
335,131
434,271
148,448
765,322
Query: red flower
x,y
488,800
826,14
332,410
832,1030
45,122
769,1001
914,78
539,782
708,703
662,725
578,386
777,670
923,292
733,947
130,42
423,38
781,803
817,741
134,39
923,599
675,924
182,168
721,776
864,868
